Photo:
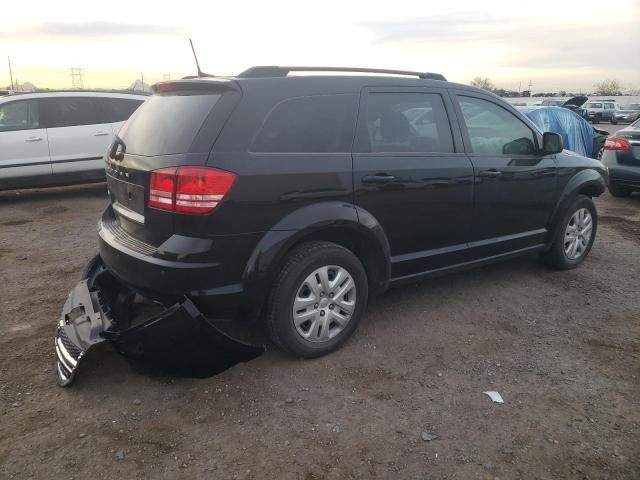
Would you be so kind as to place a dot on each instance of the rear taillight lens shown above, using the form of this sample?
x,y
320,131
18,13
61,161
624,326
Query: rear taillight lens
x,y
162,186
614,143
200,189
189,189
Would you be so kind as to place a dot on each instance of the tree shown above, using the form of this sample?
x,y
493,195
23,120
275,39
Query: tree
x,y
608,87
483,82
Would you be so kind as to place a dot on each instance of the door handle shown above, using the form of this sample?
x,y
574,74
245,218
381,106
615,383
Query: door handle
x,y
101,134
34,139
491,173
378,179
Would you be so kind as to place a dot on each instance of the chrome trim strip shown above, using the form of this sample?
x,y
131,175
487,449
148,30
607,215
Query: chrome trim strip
x,y
67,355
127,213
61,373
62,361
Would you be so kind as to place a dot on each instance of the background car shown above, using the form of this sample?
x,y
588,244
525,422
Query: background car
x,y
600,111
577,135
622,157
627,113
59,138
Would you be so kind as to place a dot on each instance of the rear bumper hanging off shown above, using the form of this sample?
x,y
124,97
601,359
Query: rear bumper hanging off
x,y
101,308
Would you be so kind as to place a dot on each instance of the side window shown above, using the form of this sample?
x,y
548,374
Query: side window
x,y
117,109
404,122
495,131
69,112
21,115
315,124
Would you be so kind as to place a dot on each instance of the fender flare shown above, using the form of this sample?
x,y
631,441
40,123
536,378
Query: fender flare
x,y
308,222
587,179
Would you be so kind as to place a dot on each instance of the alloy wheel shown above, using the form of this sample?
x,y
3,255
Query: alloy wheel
x,y
577,235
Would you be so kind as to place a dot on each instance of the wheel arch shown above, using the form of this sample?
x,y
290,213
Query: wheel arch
x,y
586,182
336,222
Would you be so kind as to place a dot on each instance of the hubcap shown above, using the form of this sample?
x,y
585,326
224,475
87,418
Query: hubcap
x,y
578,234
324,303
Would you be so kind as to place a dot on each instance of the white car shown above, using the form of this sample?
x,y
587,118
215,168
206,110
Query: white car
x,y
59,138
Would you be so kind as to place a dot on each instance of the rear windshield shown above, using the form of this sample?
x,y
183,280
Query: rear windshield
x,y
166,124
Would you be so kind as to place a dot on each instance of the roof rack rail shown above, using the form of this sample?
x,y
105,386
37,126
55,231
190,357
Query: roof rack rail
x,y
276,71
79,90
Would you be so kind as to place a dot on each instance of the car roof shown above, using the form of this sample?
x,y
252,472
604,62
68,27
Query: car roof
x,y
74,93
316,83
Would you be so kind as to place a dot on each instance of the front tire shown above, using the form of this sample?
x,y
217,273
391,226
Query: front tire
x,y
317,299
574,234
619,192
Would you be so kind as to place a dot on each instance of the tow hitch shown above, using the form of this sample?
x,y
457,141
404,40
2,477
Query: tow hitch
x,y
178,338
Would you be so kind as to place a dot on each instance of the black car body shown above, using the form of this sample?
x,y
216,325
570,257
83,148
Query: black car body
x,y
622,157
221,187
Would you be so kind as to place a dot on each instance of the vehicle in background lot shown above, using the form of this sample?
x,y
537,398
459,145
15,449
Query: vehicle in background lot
x,y
627,113
552,103
575,105
600,111
577,134
59,138
622,157
301,196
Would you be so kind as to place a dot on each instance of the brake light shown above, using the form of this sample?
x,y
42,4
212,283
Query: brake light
x,y
614,143
162,186
188,189
165,87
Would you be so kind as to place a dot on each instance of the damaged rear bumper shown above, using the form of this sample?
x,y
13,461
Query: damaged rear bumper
x,y
100,308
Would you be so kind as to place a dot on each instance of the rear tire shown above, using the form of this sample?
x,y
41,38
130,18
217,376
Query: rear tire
x,y
579,217
309,312
619,192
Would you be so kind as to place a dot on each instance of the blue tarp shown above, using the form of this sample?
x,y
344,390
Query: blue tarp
x,y
577,134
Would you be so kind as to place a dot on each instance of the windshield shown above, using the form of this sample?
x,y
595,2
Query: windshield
x,y
593,105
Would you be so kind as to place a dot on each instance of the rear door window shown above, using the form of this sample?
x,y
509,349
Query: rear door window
x,y
166,124
69,112
21,115
314,124
404,122
113,110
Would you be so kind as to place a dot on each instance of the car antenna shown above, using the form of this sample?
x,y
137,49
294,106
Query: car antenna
x,y
200,72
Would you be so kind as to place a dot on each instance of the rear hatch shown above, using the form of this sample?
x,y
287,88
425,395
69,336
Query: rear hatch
x,y
175,127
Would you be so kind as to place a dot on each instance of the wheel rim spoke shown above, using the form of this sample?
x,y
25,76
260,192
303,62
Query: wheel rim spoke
x,y
324,303
578,233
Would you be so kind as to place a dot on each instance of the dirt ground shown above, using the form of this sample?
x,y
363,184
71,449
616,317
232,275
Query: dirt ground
x,y
562,348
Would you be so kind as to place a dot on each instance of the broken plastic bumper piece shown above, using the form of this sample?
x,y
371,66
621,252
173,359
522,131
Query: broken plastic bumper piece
x,y
101,309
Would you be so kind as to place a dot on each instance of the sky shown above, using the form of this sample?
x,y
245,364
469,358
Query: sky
x,y
556,44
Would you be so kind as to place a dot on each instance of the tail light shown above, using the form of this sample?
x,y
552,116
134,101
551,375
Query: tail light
x,y
188,189
614,143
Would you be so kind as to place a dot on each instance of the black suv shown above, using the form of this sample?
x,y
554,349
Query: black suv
x,y
298,197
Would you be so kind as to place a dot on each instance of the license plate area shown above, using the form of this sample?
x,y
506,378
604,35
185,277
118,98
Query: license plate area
x,y
129,196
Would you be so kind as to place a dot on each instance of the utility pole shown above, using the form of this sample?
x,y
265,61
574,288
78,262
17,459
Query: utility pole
x,y
520,88
142,80
10,72
530,87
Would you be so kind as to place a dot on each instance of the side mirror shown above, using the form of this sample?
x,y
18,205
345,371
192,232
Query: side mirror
x,y
551,143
